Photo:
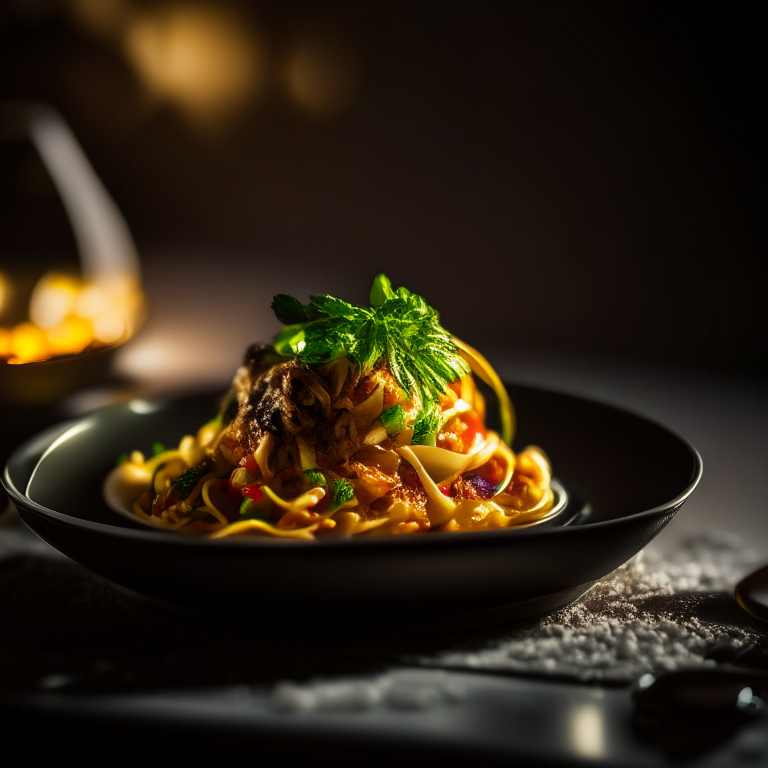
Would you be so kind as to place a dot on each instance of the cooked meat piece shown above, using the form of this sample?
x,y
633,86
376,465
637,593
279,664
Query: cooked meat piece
x,y
258,359
282,396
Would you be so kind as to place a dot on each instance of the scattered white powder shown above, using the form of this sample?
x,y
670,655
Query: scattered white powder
x,y
407,689
642,618
710,562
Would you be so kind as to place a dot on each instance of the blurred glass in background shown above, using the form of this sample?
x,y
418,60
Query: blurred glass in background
x,y
70,282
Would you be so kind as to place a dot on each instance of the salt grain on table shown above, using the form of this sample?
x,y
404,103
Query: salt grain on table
x,y
634,621
641,618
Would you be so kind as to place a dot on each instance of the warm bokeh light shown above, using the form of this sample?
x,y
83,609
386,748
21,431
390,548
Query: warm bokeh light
x,y
5,343
322,75
109,329
5,289
69,315
92,301
29,343
70,336
204,59
53,299
104,18
210,61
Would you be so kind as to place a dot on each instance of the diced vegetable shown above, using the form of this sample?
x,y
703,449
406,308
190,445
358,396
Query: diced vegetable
x,y
315,477
471,485
251,509
188,480
393,419
426,427
251,464
242,477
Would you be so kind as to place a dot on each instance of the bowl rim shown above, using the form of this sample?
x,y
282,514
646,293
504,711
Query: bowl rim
x,y
36,446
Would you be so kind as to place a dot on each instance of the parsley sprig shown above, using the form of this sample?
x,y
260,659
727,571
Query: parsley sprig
x,y
399,327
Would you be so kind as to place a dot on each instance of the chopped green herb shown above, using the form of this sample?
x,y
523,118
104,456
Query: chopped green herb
x,y
157,449
399,327
315,477
427,425
342,492
393,419
185,482
122,459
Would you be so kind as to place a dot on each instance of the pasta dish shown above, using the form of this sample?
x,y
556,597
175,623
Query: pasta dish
x,y
353,421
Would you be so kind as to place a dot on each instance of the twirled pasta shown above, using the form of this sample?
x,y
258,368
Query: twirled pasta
x,y
343,447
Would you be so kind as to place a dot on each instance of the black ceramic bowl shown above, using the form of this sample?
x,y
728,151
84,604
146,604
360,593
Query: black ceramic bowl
x,y
626,477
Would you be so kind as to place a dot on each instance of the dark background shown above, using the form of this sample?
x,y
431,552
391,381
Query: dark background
x,y
567,176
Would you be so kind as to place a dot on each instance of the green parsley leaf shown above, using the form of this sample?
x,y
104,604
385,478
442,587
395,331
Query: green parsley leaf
x,y
157,449
122,459
381,290
399,327
342,492
290,311
427,426
393,419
